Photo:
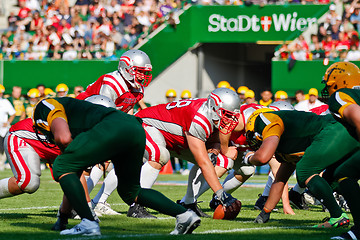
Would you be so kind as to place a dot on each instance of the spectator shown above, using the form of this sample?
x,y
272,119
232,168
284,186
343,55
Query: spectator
x,y
62,90
7,115
266,96
249,97
355,19
82,5
17,101
299,96
33,98
41,88
281,96
353,54
312,102
69,53
12,22
241,92
77,91
37,22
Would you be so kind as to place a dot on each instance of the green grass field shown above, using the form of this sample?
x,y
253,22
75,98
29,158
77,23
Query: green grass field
x,y
31,216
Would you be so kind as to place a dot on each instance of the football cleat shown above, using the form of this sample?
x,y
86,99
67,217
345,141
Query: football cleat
x,y
352,234
85,227
104,209
138,211
297,200
342,221
194,207
186,223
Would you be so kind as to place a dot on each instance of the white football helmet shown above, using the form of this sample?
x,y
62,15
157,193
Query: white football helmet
x,y
101,100
135,67
224,107
281,105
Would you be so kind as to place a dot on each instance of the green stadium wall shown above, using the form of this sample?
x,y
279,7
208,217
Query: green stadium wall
x,y
304,75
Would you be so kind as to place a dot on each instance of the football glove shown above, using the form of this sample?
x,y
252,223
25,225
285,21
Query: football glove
x,y
231,205
263,217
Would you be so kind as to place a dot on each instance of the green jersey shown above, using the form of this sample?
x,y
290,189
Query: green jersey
x,y
80,115
296,130
339,101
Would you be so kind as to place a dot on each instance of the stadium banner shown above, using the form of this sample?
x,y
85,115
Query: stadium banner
x,y
253,23
272,24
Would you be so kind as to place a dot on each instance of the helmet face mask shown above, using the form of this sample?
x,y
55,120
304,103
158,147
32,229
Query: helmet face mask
x,y
135,67
224,107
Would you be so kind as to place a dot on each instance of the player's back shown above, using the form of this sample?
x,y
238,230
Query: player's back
x,y
175,118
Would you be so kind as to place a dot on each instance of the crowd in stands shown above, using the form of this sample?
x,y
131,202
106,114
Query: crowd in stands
x,y
97,29
337,38
89,29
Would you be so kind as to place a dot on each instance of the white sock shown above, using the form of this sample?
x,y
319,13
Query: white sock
x,y
111,183
269,182
4,188
148,175
298,189
197,185
231,183
94,178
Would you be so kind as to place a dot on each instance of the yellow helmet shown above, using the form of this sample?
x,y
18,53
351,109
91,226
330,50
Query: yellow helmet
x,y
340,75
185,94
242,89
62,87
249,94
224,84
2,88
170,93
281,95
254,139
231,88
49,91
33,93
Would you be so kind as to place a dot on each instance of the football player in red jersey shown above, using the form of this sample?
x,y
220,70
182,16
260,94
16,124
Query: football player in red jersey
x,y
181,128
125,87
24,150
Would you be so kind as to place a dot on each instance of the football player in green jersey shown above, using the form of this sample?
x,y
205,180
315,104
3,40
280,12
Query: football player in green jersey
x,y
342,83
303,141
88,134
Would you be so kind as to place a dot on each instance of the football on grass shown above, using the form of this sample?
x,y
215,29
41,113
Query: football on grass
x,y
227,213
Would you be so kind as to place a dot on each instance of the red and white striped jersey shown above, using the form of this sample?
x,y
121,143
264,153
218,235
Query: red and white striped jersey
x,y
114,86
238,138
174,119
24,130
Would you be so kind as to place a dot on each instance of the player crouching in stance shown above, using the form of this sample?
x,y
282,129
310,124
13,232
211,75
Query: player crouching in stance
x,y
181,128
24,152
342,83
88,134
304,141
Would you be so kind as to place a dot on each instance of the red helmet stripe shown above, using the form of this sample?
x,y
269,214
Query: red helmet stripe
x,y
216,98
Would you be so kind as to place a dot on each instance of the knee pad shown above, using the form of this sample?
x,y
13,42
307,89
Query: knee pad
x,y
33,185
164,155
